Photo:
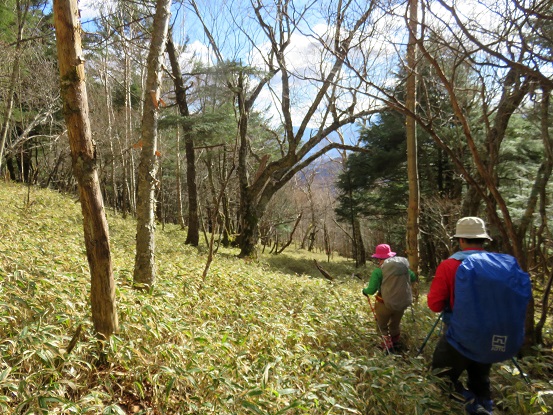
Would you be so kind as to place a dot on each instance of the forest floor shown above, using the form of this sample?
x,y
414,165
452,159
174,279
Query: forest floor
x,y
266,337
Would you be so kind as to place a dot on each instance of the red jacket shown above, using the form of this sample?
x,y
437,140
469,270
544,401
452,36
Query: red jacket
x,y
442,289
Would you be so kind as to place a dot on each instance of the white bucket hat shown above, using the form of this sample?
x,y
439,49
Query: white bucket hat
x,y
471,227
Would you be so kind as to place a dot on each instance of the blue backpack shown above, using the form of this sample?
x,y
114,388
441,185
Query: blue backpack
x,y
491,296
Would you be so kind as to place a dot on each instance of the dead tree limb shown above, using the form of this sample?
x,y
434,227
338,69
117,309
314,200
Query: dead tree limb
x,y
323,271
278,251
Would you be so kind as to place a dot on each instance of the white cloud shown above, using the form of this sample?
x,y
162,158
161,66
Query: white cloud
x,y
90,9
196,52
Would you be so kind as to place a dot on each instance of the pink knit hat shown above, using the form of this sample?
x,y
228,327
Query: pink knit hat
x,y
383,251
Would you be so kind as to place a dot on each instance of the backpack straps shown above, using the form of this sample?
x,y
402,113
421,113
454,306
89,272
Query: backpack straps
x,y
461,255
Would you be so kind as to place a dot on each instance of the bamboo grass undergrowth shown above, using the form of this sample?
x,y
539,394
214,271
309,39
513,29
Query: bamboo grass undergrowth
x,y
267,337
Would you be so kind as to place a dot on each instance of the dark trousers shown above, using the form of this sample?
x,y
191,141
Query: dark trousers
x,y
447,357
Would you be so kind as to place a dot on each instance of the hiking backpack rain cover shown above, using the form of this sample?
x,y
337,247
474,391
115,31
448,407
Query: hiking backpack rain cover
x,y
491,296
396,283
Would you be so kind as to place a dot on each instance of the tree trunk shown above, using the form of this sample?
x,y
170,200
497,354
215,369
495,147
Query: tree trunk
x,y
193,235
471,202
532,333
249,233
144,267
225,241
109,132
230,228
306,236
128,183
249,219
328,248
75,109
411,133
538,333
359,250
158,197
180,212
213,216
312,239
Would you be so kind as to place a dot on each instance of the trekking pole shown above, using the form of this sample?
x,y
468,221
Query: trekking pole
x,y
522,374
376,321
371,305
429,334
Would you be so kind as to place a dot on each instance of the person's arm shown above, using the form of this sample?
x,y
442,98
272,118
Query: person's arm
x,y
438,296
413,276
374,282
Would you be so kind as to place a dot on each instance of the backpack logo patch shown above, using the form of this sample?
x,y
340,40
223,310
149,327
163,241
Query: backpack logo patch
x,y
499,343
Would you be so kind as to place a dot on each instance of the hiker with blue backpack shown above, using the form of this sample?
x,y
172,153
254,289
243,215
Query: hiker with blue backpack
x,y
391,281
483,297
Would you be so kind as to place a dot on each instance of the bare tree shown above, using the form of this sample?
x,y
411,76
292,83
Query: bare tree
x,y
75,109
332,104
144,267
411,133
193,233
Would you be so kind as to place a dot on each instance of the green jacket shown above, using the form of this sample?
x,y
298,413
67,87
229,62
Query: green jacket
x,y
376,281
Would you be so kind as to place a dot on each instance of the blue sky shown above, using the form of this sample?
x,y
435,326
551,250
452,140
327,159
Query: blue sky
x,y
304,53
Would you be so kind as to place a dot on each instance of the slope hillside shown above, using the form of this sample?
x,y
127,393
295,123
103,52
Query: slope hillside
x,y
251,338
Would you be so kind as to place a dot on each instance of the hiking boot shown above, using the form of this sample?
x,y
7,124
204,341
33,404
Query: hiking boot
x,y
487,404
386,344
396,344
397,348
462,395
474,407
